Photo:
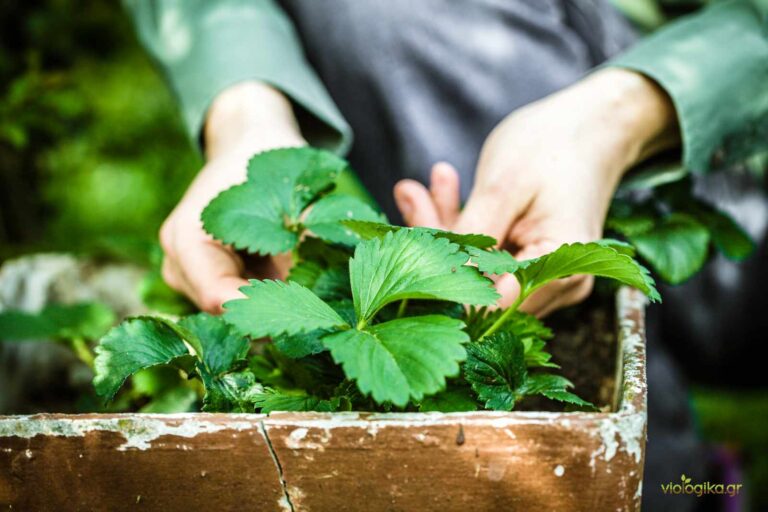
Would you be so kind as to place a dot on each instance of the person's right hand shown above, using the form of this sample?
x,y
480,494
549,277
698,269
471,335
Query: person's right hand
x,y
244,119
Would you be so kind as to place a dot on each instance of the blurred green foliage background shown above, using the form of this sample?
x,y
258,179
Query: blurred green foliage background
x,y
93,157
92,154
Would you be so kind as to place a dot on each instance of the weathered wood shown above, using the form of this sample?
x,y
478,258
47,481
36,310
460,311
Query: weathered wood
x,y
120,462
307,461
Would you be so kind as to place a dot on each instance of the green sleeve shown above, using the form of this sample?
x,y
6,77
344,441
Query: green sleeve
x,y
204,46
714,66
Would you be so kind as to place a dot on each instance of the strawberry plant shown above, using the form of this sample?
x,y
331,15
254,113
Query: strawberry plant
x,y
77,326
673,230
371,317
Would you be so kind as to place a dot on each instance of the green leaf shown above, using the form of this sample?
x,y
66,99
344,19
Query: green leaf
x,y
457,399
413,265
494,262
273,400
301,345
135,344
590,258
324,219
554,387
618,245
495,368
676,247
248,218
294,176
274,307
727,235
87,320
231,392
527,328
327,283
369,230
400,359
262,215
221,344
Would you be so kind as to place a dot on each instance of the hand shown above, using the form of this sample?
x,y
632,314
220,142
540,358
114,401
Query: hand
x,y
245,119
547,173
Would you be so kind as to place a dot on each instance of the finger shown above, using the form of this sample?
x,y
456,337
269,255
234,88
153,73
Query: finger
x,y
508,288
173,277
573,295
444,189
415,203
213,273
554,296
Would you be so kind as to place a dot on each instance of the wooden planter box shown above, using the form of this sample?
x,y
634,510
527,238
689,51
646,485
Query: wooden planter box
x,y
515,461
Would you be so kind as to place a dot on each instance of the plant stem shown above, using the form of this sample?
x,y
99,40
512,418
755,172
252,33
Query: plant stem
x,y
82,351
401,308
505,316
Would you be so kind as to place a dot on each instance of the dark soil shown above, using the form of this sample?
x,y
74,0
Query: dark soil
x,y
585,347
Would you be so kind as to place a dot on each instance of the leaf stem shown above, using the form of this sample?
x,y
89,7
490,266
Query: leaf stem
x,y
80,347
505,316
401,308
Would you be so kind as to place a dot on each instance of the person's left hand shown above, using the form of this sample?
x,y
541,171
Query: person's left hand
x,y
547,173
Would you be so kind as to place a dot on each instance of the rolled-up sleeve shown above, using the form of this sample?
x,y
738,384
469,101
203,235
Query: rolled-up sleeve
x,y
714,66
205,46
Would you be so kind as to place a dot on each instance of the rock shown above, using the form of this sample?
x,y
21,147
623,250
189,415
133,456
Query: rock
x,y
39,376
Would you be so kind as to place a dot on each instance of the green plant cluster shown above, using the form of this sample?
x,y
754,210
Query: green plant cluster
x,y
372,316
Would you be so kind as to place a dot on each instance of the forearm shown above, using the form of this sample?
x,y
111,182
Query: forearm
x,y
250,115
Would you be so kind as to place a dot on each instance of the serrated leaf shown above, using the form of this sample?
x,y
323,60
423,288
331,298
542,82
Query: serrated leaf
x,y
294,176
369,230
231,392
302,345
400,359
554,387
275,307
413,265
676,247
248,219
87,320
262,214
324,219
221,344
135,344
274,400
590,258
527,328
327,283
457,399
495,368
494,262
618,245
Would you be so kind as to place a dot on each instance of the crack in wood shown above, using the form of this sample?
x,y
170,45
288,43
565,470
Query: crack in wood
x,y
278,466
